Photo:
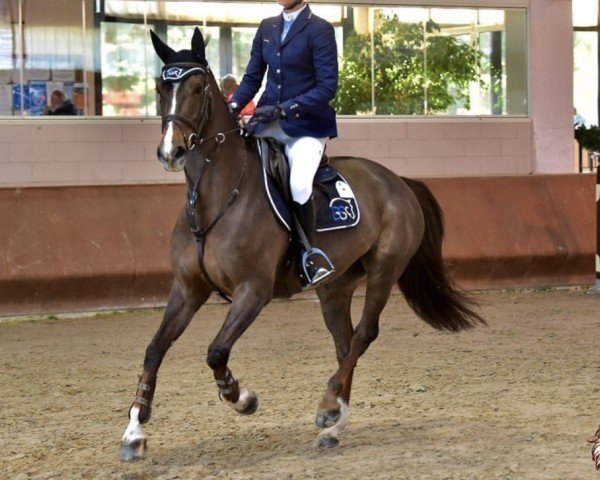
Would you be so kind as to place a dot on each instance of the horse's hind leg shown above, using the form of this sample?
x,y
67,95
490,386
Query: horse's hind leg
x,y
336,300
383,271
180,310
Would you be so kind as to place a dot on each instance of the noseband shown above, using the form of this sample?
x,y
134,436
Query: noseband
x,y
177,72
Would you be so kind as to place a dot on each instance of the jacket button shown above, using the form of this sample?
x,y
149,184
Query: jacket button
x,y
278,54
279,87
279,70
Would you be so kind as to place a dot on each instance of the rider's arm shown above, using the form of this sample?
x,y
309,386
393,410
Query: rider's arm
x,y
325,66
255,71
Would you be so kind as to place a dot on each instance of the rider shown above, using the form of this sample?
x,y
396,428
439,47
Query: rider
x,y
300,52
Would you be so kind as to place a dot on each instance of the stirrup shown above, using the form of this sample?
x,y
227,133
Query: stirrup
x,y
312,273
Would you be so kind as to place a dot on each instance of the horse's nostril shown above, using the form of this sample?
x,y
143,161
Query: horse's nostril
x,y
179,152
159,154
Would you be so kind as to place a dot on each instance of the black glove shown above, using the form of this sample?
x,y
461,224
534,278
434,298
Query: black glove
x,y
267,114
234,109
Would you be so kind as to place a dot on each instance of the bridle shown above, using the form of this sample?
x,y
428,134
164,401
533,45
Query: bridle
x,y
176,72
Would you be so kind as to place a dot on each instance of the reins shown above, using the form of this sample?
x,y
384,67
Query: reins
x,y
193,141
193,190
200,234
218,138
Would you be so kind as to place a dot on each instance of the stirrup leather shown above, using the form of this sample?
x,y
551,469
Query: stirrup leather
x,y
312,273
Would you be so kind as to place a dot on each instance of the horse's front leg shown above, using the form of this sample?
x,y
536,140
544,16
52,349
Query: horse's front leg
x,y
596,448
249,299
181,307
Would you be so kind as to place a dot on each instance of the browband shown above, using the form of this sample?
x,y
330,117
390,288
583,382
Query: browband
x,y
176,72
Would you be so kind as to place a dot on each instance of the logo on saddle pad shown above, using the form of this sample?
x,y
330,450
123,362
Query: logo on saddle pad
x,y
342,208
335,204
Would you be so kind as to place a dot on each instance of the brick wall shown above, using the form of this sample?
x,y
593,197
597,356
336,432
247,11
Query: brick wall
x,y
440,147
111,152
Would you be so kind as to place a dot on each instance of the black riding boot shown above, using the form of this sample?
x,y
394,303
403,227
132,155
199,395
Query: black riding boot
x,y
314,263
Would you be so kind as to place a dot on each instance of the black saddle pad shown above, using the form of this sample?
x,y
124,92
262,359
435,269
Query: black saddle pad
x,y
335,203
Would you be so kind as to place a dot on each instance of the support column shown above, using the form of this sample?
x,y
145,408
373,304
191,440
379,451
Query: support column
x,y
551,85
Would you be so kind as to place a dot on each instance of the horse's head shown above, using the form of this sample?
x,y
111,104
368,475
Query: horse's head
x,y
184,93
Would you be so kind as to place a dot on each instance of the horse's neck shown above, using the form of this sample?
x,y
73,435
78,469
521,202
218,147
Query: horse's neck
x,y
220,118
220,164
233,149
221,180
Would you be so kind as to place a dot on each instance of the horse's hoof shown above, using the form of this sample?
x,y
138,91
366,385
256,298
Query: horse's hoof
x,y
327,418
136,450
252,405
328,441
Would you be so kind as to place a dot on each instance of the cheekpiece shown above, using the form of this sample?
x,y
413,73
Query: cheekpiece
x,y
177,73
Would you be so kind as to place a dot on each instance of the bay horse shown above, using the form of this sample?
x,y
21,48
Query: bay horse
x,y
237,247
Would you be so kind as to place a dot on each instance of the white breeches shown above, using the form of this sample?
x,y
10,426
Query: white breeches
x,y
304,155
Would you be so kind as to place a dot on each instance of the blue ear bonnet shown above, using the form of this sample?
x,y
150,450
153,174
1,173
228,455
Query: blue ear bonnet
x,y
177,72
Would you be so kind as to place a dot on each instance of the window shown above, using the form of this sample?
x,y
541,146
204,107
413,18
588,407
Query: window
x,y
393,60
432,61
46,54
586,98
126,82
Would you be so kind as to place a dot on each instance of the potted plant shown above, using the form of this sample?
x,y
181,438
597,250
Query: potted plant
x,y
588,138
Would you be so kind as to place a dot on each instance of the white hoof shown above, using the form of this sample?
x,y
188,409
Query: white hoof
x,y
136,450
596,455
246,404
133,443
329,436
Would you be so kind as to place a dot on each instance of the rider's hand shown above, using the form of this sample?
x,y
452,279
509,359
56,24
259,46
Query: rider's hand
x,y
234,109
267,114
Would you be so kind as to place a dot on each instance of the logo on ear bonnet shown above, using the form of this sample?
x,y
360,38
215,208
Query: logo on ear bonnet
x,y
176,74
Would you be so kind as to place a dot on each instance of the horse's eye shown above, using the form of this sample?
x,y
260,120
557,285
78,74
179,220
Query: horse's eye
x,y
198,88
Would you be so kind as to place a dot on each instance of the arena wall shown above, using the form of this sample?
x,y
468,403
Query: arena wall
x,y
67,151
86,210
77,248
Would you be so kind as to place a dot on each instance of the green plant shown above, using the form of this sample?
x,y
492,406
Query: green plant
x,y
588,138
417,70
120,83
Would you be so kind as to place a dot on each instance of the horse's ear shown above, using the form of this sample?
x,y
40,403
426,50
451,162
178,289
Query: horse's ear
x,y
198,46
161,48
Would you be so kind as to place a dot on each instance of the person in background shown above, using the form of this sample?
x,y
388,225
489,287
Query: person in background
x,y
578,120
229,85
60,105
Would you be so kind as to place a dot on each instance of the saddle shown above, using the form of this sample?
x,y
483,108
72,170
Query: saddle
x,y
335,204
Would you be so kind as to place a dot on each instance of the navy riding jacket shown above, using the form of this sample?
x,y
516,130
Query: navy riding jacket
x,y
302,74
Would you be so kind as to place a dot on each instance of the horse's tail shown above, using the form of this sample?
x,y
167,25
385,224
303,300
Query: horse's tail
x,y
425,283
